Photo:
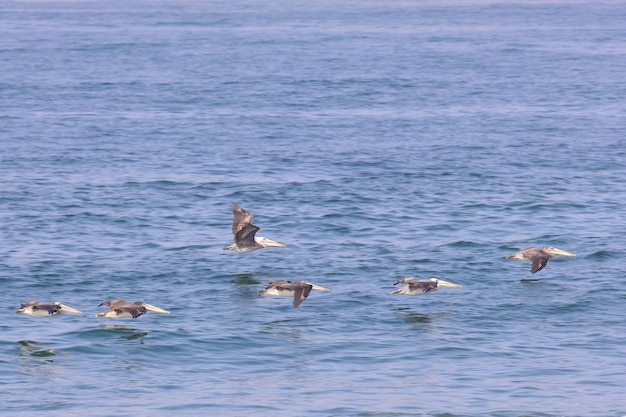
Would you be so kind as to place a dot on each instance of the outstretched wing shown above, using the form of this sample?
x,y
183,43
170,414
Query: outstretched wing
x,y
241,219
133,311
538,262
245,237
430,286
50,308
301,292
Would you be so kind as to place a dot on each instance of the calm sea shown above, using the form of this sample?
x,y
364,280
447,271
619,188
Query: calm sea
x,y
377,139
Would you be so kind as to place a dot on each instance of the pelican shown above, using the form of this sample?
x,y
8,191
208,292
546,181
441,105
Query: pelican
x,y
37,308
299,290
416,286
120,309
538,256
244,232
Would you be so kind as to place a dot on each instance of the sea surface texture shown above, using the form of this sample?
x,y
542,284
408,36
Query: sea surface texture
x,y
376,139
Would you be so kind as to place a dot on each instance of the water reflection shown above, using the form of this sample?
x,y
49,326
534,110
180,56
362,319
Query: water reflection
x,y
244,280
528,280
413,318
289,328
126,332
31,348
247,287
38,357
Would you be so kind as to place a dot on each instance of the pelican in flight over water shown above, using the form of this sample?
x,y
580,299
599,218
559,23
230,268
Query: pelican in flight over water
x,y
416,286
538,256
244,232
299,290
37,308
120,309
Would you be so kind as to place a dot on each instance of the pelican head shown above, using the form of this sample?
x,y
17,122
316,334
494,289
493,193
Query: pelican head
x,y
68,308
318,287
265,242
448,284
154,308
555,251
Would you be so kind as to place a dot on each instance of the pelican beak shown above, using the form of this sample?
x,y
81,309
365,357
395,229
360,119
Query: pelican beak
x,y
562,252
448,284
155,308
69,309
270,242
319,288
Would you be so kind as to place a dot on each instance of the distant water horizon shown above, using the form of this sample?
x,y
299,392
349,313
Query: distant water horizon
x,y
377,140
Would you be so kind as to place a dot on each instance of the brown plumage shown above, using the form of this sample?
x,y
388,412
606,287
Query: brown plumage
x,y
121,309
244,233
538,257
416,286
37,308
299,290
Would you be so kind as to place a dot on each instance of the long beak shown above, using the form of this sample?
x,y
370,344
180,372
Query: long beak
x,y
320,288
270,242
562,252
155,308
69,309
448,284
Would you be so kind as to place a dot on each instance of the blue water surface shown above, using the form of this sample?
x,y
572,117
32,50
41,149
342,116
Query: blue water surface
x,y
377,139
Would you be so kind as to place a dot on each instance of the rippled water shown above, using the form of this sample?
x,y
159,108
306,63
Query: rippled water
x,y
377,140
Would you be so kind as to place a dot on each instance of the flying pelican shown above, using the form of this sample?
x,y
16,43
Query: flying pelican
x,y
120,309
37,308
283,288
416,286
244,231
538,256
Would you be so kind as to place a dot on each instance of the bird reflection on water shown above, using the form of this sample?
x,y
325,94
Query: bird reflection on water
x,y
411,317
290,328
126,332
244,280
38,359
34,349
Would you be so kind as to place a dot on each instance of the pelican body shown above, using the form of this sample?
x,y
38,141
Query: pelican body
x,y
37,308
416,286
244,233
120,309
299,290
538,256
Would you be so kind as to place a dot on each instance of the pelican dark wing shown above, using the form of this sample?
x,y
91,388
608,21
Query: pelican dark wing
x,y
538,262
241,218
245,237
300,293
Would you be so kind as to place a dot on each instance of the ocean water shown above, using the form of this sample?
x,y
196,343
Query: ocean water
x,y
377,139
